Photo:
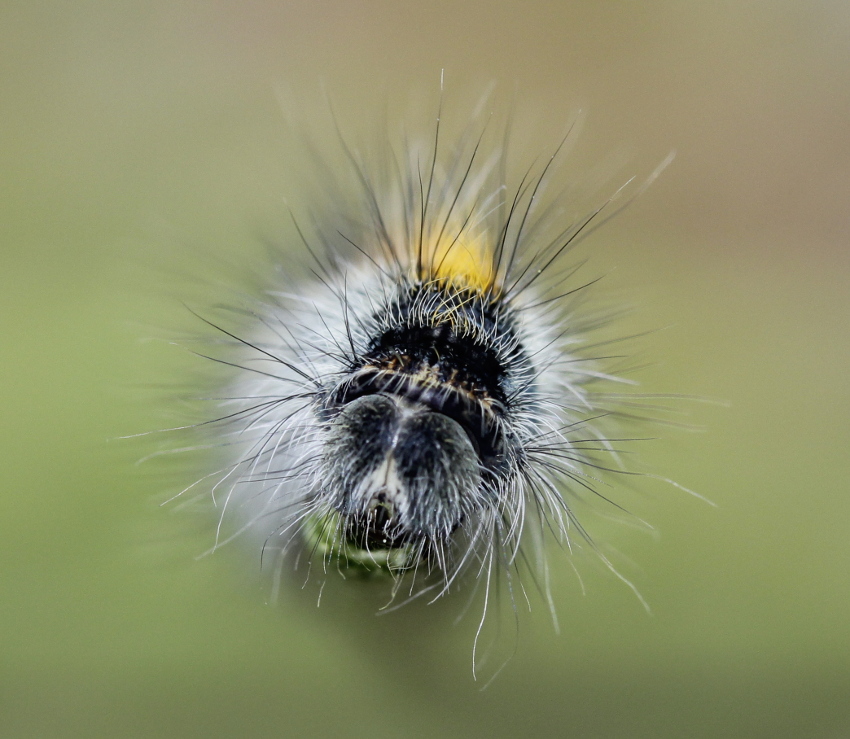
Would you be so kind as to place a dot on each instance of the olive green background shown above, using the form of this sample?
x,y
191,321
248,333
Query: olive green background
x,y
138,139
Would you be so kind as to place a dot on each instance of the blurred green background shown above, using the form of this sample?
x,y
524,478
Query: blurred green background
x,y
138,138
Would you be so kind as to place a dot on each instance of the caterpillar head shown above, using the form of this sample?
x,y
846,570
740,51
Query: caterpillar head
x,y
419,437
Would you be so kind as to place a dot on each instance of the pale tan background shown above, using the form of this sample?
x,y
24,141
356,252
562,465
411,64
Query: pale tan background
x,y
144,134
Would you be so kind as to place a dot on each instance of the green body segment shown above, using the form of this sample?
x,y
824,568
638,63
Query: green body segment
x,y
324,535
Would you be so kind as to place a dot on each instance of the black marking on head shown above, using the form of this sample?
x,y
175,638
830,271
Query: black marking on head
x,y
399,473
445,357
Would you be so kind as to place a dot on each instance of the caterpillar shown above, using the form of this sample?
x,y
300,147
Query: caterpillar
x,y
430,397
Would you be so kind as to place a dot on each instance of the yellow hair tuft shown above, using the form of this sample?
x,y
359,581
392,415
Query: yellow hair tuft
x,y
465,264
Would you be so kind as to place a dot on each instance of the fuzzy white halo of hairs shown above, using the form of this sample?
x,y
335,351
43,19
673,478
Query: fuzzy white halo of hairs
x,y
433,399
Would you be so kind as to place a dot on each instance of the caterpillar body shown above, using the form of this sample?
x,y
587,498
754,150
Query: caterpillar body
x,y
430,400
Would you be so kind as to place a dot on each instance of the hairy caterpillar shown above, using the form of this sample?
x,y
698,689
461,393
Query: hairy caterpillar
x,y
431,400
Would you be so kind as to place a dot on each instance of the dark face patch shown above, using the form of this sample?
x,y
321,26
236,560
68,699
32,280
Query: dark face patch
x,y
399,473
436,352
418,423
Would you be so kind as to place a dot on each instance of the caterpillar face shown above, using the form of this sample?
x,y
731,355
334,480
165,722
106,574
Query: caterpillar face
x,y
420,427
430,401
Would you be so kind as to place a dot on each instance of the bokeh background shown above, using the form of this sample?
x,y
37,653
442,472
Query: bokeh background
x,y
140,138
